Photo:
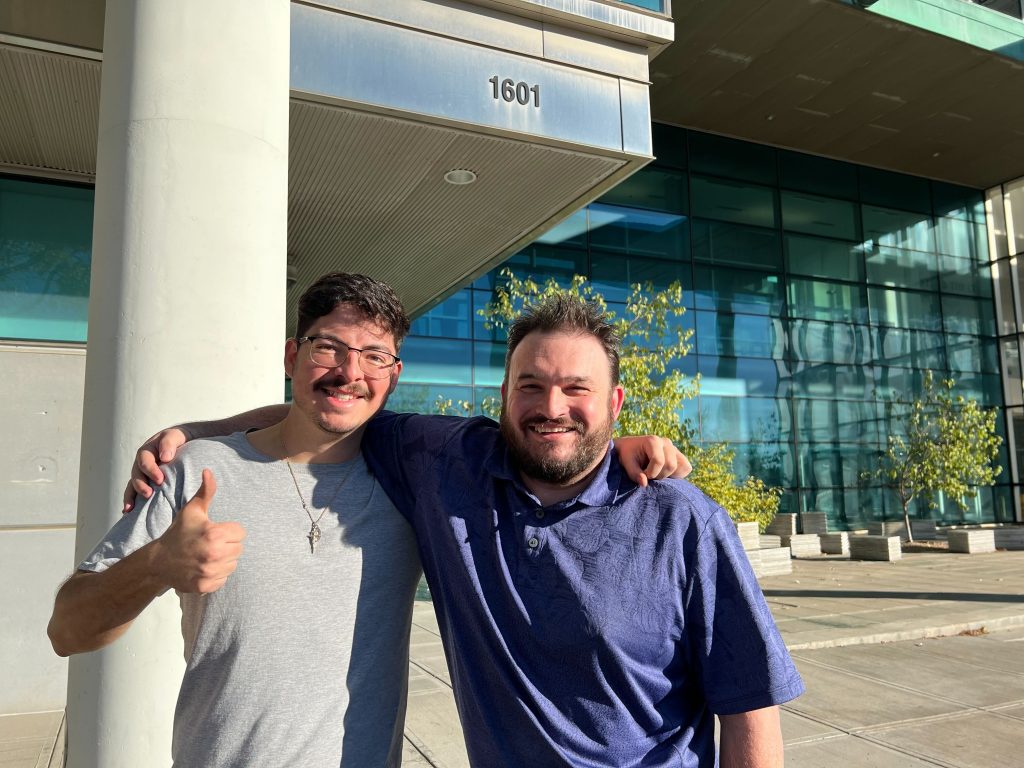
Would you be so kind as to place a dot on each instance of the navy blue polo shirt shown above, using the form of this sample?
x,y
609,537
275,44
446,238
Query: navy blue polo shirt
x,y
606,630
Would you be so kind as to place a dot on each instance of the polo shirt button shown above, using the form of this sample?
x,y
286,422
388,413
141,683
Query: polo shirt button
x,y
539,514
533,542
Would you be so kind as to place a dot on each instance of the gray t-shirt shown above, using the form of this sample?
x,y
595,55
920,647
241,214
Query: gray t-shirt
x,y
300,659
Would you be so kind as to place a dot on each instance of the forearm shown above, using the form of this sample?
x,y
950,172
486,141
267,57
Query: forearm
x,y
258,418
92,610
751,740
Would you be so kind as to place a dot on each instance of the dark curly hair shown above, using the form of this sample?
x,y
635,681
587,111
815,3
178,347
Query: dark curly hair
x,y
375,299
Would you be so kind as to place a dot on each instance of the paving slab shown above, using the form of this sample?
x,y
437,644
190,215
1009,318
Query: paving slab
x,y
850,752
977,740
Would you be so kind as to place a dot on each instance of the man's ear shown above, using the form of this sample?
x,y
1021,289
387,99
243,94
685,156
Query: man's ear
x,y
291,353
618,398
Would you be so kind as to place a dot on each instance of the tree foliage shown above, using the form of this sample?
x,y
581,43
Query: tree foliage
x,y
656,390
946,444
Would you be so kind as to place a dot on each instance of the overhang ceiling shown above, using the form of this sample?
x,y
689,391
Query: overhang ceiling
x,y
823,77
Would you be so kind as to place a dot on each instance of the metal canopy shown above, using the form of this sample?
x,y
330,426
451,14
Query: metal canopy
x,y
822,77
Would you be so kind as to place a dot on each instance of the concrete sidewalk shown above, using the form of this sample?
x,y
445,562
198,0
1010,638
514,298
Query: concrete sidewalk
x,y
880,691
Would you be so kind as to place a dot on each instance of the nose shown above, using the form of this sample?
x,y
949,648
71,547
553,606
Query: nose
x,y
553,403
349,367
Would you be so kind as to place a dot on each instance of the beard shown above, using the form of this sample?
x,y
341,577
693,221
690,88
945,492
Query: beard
x,y
539,463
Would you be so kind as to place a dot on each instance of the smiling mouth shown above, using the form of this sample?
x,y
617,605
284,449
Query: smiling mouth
x,y
342,395
545,428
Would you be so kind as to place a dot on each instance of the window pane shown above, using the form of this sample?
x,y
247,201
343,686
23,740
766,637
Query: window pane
x,y
897,229
571,231
416,397
1012,382
740,335
737,290
902,269
821,300
635,231
613,275
963,315
895,190
488,364
986,388
771,462
720,156
669,145
736,245
814,341
733,201
449,318
824,258
904,309
958,202
655,189
826,380
972,353
45,258
743,419
814,215
909,348
962,238
440,361
1004,289
742,376
817,174
826,420
829,464
541,262
1014,205
965,276
480,301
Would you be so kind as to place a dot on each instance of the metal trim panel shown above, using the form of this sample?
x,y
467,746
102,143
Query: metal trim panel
x,y
394,68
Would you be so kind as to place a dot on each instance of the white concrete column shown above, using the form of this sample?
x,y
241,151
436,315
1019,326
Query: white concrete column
x,y
186,312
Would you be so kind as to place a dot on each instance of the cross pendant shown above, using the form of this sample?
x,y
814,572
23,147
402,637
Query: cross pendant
x,y
314,537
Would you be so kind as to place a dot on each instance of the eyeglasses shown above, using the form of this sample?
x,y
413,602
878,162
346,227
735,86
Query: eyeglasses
x,y
329,352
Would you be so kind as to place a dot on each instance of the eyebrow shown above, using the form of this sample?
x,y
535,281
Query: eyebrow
x,y
375,347
528,376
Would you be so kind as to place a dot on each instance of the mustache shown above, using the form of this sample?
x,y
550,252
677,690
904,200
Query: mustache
x,y
353,390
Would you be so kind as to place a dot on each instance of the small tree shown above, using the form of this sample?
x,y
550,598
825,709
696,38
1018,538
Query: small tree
x,y
656,390
948,446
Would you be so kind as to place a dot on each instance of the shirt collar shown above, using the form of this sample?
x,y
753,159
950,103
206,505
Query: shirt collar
x,y
607,486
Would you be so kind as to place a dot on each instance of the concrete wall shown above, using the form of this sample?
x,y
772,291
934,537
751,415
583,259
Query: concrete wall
x,y
41,413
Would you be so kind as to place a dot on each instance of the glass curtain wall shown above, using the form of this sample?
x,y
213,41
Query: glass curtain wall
x,y
816,289
1005,208
45,257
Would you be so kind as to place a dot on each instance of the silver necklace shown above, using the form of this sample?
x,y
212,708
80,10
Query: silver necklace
x,y
314,523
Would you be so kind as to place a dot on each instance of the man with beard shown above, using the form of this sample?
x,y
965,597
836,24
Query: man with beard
x,y
586,620
296,650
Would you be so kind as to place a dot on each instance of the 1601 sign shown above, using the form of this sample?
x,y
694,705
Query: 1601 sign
x,y
509,90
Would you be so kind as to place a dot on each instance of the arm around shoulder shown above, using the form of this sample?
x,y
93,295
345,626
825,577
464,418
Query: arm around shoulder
x,y
751,739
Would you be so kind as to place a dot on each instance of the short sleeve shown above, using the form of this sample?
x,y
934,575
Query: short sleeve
x,y
142,525
734,644
401,449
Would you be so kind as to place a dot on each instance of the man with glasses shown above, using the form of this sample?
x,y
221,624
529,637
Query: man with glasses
x,y
296,650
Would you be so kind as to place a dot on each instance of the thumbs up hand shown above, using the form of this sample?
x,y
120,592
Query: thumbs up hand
x,y
196,554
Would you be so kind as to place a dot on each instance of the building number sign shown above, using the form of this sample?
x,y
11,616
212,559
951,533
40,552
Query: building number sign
x,y
509,90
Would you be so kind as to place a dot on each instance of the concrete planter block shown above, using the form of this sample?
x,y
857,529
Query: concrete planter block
x,y
1009,538
783,525
923,529
775,562
835,543
872,547
803,544
972,542
770,542
754,556
749,535
814,522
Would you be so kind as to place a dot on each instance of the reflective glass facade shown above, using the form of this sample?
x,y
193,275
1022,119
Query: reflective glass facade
x,y
45,258
815,289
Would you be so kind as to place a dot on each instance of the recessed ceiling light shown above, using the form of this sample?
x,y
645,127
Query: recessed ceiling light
x,y
460,176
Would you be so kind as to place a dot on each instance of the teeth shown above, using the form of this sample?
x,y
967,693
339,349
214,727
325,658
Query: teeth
x,y
552,430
